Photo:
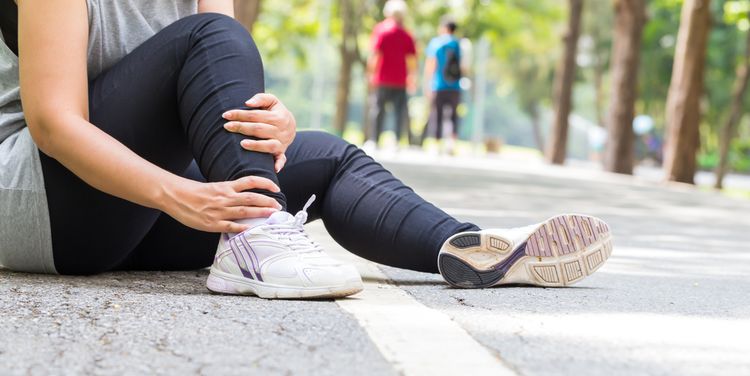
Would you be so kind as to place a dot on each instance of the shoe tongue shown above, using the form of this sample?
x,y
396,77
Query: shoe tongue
x,y
279,218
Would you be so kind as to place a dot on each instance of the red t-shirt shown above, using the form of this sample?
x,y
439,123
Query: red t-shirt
x,y
394,45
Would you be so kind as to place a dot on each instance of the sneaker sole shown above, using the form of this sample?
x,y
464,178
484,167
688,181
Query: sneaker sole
x,y
225,283
560,252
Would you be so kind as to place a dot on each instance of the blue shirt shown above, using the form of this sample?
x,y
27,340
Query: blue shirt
x,y
440,47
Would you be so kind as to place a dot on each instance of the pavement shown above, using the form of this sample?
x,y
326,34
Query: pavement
x,y
672,299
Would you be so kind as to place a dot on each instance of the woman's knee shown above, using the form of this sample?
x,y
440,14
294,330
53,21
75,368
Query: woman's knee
x,y
215,29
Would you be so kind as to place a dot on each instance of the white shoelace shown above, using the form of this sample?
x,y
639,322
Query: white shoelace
x,y
293,234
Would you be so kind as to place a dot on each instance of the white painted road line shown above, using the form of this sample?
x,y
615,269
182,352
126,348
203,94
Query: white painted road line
x,y
415,339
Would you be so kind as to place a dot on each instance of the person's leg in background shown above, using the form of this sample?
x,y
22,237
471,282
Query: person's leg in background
x,y
164,101
453,101
436,115
378,114
400,101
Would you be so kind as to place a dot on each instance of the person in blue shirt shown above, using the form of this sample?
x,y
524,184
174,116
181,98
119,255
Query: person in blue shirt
x,y
442,75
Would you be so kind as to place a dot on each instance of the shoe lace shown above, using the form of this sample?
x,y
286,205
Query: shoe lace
x,y
293,234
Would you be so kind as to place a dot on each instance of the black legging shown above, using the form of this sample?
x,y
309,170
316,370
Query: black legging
x,y
164,101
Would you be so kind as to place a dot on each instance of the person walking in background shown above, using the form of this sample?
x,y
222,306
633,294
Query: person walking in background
x,y
392,70
442,76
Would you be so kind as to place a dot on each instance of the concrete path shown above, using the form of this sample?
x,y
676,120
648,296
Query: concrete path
x,y
674,299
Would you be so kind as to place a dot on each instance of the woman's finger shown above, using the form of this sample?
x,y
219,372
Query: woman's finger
x,y
262,100
254,199
228,226
274,147
245,212
279,162
259,130
253,182
257,116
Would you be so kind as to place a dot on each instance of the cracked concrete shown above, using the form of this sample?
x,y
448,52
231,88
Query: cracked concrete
x,y
168,323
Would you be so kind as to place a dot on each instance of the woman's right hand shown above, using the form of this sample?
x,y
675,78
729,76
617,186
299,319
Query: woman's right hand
x,y
214,207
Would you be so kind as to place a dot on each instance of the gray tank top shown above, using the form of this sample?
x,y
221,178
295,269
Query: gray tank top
x,y
116,27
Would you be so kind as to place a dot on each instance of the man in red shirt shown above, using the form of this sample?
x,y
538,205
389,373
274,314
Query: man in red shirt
x,y
392,67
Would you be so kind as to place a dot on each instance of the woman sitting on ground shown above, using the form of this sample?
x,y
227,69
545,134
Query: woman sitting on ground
x,y
137,149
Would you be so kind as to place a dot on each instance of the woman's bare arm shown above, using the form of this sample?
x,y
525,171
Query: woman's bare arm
x,y
53,36
216,6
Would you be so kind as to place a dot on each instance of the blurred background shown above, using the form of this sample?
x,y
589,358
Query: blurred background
x,y
627,94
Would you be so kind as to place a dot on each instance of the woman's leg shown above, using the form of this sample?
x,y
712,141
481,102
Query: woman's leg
x,y
164,101
170,245
364,207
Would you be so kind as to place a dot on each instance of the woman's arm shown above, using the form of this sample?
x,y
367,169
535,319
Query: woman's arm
x,y
216,6
53,37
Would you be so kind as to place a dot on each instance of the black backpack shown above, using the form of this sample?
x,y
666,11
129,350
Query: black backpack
x,y
452,70
9,24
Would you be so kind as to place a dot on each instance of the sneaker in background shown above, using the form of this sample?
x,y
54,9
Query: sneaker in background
x,y
557,252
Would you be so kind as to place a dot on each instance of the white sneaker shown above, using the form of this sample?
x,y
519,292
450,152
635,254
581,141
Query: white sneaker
x,y
277,259
557,252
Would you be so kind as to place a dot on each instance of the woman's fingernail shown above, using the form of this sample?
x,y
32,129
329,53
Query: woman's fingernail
x,y
226,115
251,102
229,126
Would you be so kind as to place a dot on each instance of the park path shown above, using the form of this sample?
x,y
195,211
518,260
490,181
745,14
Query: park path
x,y
672,300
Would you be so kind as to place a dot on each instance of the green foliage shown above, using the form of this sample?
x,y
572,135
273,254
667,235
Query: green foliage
x,y
739,157
286,28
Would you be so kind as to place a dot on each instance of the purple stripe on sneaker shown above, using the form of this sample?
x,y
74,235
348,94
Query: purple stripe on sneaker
x,y
245,256
242,264
254,259
505,265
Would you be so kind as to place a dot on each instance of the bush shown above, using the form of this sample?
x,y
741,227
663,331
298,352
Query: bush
x,y
739,157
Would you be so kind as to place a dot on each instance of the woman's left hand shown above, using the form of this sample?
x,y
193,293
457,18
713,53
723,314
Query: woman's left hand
x,y
270,121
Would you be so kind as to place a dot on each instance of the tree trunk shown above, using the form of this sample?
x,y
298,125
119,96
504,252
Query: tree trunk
x,y
735,114
685,90
536,125
630,16
247,12
599,92
564,78
349,55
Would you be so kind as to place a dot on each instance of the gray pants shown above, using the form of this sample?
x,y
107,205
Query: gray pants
x,y
399,100
442,100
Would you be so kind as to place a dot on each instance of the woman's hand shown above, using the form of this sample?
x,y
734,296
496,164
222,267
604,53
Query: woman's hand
x,y
214,207
270,121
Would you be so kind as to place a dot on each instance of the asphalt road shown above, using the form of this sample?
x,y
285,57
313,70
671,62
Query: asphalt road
x,y
672,300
